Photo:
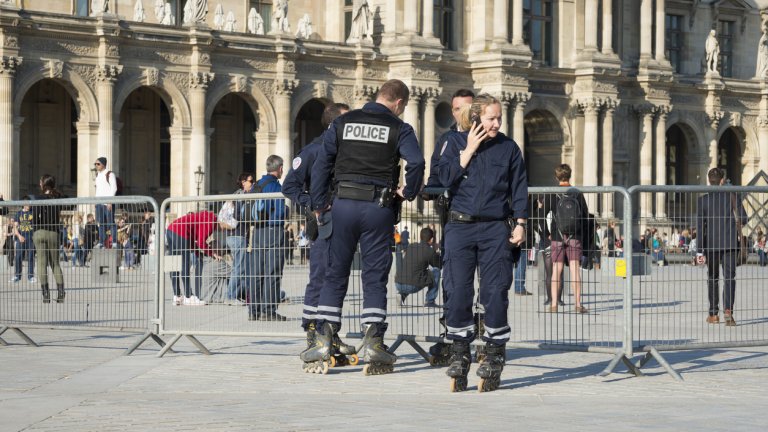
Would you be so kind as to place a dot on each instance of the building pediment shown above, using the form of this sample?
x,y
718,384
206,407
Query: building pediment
x,y
734,6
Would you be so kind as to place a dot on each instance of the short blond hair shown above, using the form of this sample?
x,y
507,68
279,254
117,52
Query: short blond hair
x,y
477,107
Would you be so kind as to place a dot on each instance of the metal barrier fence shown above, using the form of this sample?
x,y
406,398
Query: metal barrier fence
x,y
671,304
103,274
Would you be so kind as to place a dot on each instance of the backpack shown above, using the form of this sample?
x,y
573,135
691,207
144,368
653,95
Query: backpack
x,y
257,210
568,215
118,181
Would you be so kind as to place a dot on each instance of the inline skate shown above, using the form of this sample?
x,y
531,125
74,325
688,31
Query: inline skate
x,y
376,355
317,357
491,366
459,366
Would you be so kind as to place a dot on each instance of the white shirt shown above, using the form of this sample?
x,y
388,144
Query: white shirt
x,y
106,187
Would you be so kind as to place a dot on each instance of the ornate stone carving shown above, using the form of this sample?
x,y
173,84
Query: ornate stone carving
x,y
86,72
320,90
762,121
515,79
431,94
265,86
347,94
590,105
205,59
151,76
304,27
54,67
644,109
735,119
426,74
240,83
280,17
365,92
610,105
285,86
522,98
113,50
714,118
179,79
11,41
107,73
9,65
200,80
662,111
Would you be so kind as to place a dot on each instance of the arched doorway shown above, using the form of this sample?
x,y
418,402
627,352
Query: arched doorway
x,y
308,124
233,143
145,144
48,138
677,156
729,154
543,147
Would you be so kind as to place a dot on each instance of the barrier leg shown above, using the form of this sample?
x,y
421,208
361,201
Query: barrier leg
x,y
21,334
399,341
198,344
141,340
620,357
168,346
653,353
2,341
420,350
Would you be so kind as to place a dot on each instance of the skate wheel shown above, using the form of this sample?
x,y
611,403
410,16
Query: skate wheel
x,y
331,361
458,384
488,384
354,360
323,370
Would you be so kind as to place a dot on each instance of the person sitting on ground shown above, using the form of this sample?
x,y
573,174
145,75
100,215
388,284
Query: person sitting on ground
x,y
414,274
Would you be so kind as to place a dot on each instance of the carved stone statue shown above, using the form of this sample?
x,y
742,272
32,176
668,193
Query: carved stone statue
x,y
713,52
168,18
218,17
159,10
231,24
138,12
762,53
362,23
187,19
304,27
99,6
280,17
255,22
195,11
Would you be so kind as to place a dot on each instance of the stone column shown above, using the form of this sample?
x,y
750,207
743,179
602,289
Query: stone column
x,y
714,123
283,92
410,17
411,115
87,133
590,25
500,31
607,47
427,21
660,27
646,20
198,145
518,129
430,98
506,101
578,145
645,113
762,139
105,87
9,155
661,160
591,109
517,22
610,107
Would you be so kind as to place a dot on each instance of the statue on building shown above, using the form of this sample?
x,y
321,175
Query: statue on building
x,y
255,22
168,18
304,27
99,7
159,10
231,24
187,19
195,11
280,17
218,17
762,53
362,23
138,12
713,52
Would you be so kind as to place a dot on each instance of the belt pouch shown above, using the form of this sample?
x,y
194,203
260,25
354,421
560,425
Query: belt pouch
x,y
356,191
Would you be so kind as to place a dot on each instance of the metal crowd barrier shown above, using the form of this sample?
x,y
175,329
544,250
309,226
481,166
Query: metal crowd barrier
x,y
671,304
109,285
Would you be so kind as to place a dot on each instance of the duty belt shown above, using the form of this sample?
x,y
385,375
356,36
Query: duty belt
x,y
457,217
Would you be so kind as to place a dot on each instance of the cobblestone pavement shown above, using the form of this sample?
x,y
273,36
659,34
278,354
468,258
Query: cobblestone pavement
x,y
80,381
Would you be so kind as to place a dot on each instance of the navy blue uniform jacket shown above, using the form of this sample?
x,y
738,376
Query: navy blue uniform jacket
x,y
299,178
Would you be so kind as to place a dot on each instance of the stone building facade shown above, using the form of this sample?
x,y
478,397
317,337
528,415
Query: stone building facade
x,y
616,88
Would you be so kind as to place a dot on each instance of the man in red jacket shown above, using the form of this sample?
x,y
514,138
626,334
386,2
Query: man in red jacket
x,y
186,237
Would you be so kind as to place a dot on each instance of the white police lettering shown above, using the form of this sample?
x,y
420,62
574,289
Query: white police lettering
x,y
366,132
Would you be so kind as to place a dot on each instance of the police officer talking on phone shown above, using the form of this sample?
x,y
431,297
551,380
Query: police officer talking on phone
x,y
363,149
485,172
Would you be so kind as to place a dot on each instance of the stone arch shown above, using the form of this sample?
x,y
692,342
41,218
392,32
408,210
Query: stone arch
x,y
729,136
543,104
70,79
307,123
307,93
544,142
168,91
262,108
691,127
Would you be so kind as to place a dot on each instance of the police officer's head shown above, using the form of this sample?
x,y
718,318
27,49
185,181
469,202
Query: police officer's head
x,y
488,109
275,166
459,100
394,95
716,176
331,112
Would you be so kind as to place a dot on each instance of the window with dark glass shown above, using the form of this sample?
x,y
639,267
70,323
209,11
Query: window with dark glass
x,y
674,41
165,146
82,7
73,142
347,18
725,31
264,8
443,22
537,28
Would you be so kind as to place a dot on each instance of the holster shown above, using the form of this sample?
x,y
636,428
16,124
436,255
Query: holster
x,y
311,225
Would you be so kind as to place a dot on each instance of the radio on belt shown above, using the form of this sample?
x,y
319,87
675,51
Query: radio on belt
x,y
366,132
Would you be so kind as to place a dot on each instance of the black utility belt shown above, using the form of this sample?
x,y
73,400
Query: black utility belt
x,y
457,217
357,191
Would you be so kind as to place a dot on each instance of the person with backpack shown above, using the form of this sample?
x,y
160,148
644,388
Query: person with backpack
x,y
567,233
106,186
229,219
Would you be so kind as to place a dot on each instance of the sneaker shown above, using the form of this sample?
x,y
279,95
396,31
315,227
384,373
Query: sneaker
x,y
432,305
402,299
272,317
32,279
729,321
15,279
178,300
523,293
193,301
713,319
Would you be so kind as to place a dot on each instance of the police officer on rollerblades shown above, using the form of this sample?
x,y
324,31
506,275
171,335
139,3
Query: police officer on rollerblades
x,y
363,149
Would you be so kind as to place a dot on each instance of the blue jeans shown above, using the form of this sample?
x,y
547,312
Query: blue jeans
x,y
519,275
178,245
657,256
236,245
266,264
78,253
27,248
413,289
761,255
106,219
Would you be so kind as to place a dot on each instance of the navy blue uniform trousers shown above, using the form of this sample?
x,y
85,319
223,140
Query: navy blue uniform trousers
x,y
372,226
481,246
318,263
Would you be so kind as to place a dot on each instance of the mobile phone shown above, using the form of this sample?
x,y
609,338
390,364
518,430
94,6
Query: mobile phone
x,y
475,120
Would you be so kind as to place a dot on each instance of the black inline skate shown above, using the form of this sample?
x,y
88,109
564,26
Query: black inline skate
x,y
376,355
343,354
461,359
491,366
440,353
318,356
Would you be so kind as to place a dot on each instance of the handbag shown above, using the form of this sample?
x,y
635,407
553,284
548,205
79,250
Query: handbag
x,y
743,254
